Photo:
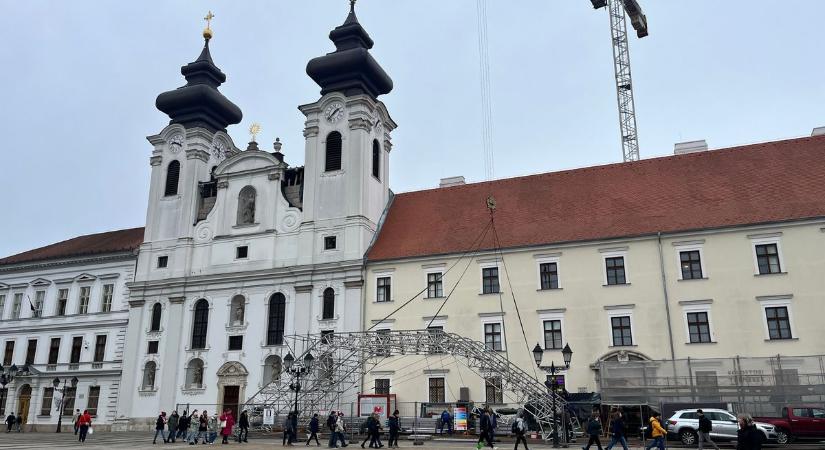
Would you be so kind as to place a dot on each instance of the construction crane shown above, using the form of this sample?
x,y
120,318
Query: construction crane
x,y
621,65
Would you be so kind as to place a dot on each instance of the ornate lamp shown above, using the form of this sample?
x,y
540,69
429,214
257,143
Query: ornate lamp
x,y
567,354
537,354
309,360
289,360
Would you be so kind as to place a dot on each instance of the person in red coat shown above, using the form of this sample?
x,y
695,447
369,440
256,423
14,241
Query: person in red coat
x,y
228,422
84,422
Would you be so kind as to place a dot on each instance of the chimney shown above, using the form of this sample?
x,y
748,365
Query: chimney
x,y
451,181
818,131
680,148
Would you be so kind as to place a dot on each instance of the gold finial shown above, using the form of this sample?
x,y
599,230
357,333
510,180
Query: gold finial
x,y
207,32
254,129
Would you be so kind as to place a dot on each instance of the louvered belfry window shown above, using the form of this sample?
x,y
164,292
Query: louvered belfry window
x,y
172,175
376,159
333,157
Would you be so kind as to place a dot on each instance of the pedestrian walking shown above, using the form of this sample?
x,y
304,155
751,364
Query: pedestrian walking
x,y
192,424
375,431
183,425
486,432
340,429
294,428
10,421
313,430
243,427
748,437
214,428
705,427
331,419
446,419
84,422
203,428
160,427
365,428
519,428
287,430
19,423
594,430
395,429
617,431
227,422
657,433
77,415
172,423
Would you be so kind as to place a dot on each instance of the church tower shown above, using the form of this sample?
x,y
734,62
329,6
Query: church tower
x,y
347,132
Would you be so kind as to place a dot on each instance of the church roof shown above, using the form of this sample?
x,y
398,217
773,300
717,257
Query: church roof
x,y
90,244
761,183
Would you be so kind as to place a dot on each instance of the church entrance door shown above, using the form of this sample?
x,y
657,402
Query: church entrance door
x,y
231,386
24,401
231,397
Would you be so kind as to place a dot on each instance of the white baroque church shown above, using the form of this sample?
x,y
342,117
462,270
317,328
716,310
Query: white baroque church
x,y
241,249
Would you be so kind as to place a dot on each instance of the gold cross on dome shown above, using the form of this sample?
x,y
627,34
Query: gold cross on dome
x,y
208,19
254,129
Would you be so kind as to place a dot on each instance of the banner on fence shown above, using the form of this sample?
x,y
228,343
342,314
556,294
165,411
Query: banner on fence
x,y
460,414
269,416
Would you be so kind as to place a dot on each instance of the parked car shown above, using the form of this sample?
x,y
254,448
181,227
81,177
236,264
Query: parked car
x,y
684,423
798,422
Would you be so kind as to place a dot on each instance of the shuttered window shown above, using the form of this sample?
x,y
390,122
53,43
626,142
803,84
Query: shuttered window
x,y
376,159
172,176
333,154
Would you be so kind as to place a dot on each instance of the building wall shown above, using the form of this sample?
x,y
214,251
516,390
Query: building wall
x,y
730,290
51,277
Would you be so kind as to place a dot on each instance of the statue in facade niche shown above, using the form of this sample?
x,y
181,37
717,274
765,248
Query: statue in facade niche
x,y
238,318
197,376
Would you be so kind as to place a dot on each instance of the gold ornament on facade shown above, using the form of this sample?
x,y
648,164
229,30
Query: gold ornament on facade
x,y
207,32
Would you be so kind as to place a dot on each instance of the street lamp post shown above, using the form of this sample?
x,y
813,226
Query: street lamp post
x,y
297,370
56,383
567,355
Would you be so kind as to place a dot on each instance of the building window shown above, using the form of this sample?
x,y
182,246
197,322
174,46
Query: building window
x,y
382,386
91,404
436,390
100,348
77,347
200,325
767,258
779,324
615,270
328,311
16,305
493,389
157,310
489,279
152,348
435,285
492,336
2,305
31,351
62,300
698,327
277,317
246,206
549,275
172,176
242,252
376,159
39,296
106,299
383,341
83,303
149,375
691,262
622,334
329,243
237,310
326,336
552,335
68,400
163,261
236,343
333,153
46,406
54,350
383,289
8,356
436,337
194,374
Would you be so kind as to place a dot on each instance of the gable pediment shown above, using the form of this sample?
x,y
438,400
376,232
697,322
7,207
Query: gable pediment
x,y
249,161
4,286
85,277
40,282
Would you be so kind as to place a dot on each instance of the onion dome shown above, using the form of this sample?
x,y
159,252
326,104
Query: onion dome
x,y
199,103
350,68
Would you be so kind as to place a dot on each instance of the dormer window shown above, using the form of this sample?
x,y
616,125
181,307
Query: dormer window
x,y
172,176
246,206
333,152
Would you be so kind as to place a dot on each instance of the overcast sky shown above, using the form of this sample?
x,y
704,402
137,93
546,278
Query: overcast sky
x,y
78,81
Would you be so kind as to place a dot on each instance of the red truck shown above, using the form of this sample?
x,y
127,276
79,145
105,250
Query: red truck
x,y
797,422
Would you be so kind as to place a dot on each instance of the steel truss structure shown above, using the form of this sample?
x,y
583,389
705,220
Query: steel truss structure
x,y
342,359
624,82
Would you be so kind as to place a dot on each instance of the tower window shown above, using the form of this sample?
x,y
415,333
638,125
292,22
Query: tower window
x,y
376,159
333,154
236,342
242,252
328,310
172,176
200,325
162,261
156,312
246,206
277,319
329,243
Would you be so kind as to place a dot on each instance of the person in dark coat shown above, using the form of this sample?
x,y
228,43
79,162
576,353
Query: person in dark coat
x,y
375,431
160,428
243,427
172,424
366,428
294,428
705,427
519,428
287,430
331,419
594,430
183,425
313,430
486,425
617,431
395,429
748,437
10,421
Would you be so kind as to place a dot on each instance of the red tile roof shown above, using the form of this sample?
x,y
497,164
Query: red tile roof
x,y
761,183
108,242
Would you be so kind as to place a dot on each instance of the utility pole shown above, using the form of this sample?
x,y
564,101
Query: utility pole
x,y
621,65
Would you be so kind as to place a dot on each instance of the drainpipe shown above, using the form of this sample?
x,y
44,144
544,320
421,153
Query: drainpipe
x,y
667,301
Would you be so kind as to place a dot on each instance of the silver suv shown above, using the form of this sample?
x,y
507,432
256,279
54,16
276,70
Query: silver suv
x,y
685,422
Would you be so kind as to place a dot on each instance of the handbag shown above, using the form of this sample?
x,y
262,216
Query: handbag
x,y
91,430
223,424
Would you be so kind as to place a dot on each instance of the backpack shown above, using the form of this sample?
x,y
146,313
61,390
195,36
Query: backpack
x,y
515,428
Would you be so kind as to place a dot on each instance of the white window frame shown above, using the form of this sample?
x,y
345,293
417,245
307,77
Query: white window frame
x,y
3,298
103,297
42,303
690,248
80,294
491,319
427,273
68,289
545,260
697,307
488,265
324,237
551,315
620,312
774,238
383,273
773,301
19,306
615,254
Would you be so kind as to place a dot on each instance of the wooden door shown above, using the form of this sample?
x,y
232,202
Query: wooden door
x,y
23,404
231,396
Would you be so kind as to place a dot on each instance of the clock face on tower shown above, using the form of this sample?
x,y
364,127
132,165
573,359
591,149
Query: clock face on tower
x,y
334,112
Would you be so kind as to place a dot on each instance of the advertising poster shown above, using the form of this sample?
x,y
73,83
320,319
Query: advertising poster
x,y
460,414
269,416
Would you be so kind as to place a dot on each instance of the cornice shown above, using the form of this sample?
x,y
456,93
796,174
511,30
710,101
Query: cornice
x,y
81,259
